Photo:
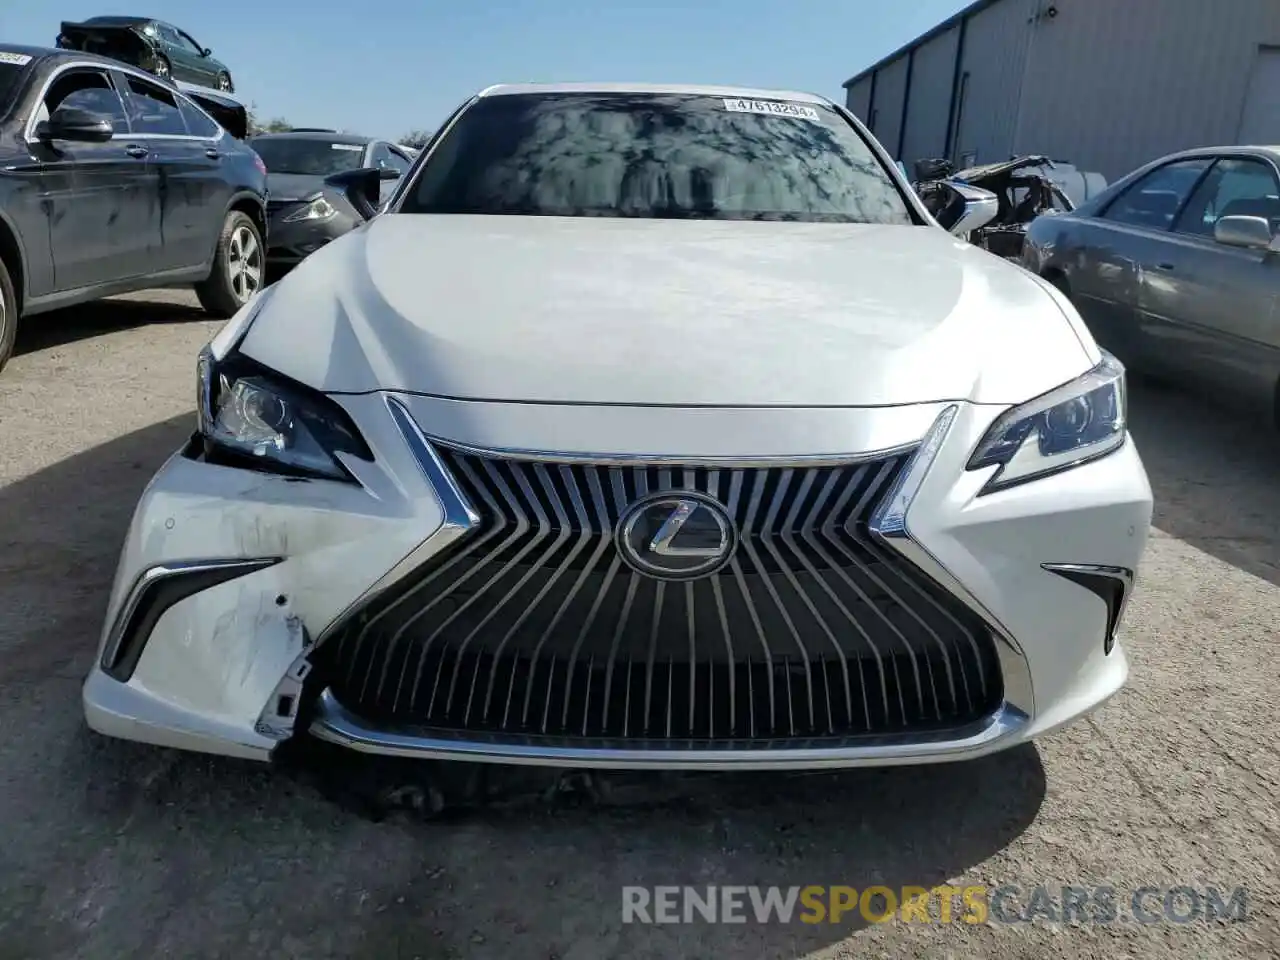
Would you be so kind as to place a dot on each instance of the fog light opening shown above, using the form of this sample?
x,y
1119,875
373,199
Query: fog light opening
x,y
1111,585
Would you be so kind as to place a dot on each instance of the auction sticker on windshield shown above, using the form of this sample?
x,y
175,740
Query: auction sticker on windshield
x,y
771,108
18,59
353,147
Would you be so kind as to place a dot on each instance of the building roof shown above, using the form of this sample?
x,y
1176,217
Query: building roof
x,y
924,38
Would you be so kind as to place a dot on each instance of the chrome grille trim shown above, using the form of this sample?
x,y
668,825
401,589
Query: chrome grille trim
x,y
668,461
336,724
797,600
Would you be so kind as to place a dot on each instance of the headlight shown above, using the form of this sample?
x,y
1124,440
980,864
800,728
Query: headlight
x,y
249,416
317,209
1068,426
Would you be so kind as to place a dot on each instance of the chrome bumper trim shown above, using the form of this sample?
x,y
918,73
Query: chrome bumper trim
x,y
143,605
891,526
335,724
1110,584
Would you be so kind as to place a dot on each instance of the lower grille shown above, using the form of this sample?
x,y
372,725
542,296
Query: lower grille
x,y
533,623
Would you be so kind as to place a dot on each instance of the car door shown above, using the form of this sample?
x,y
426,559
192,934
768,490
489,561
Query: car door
x,y
209,188
1212,308
200,64
1112,250
102,198
182,58
186,165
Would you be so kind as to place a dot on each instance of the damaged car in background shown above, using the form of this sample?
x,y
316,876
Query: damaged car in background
x,y
307,208
649,426
1025,188
155,46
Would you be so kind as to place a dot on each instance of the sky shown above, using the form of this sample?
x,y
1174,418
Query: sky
x,y
385,67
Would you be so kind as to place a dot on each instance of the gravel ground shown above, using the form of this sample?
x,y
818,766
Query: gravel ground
x,y
117,851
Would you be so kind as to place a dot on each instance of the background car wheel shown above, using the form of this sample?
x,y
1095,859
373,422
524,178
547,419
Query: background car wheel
x,y
224,83
163,70
238,267
8,316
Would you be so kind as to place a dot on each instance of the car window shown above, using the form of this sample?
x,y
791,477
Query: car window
x,y
309,156
170,35
398,161
187,41
9,74
153,109
85,89
658,156
199,123
380,156
1154,200
1234,187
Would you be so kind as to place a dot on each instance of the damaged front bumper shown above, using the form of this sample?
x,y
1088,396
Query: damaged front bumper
x,y
210,654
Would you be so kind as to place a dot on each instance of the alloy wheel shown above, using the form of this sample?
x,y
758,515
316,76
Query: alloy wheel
x,y
244,263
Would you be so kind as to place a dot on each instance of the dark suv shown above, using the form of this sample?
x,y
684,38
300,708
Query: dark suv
x,y
111,182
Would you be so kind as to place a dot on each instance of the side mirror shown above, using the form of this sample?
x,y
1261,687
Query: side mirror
x,y
1251,232
362,187
961,208
388,173
206,52
71,123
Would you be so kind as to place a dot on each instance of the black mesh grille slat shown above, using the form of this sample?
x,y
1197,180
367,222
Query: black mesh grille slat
x,y
533,624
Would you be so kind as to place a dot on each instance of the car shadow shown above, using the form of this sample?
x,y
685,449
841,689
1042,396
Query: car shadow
x,y
136,850
1215,475
56,328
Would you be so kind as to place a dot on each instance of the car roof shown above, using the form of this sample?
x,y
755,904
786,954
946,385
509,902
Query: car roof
x,y
55,53
35,53
1232,150
694,90
121,21
326,136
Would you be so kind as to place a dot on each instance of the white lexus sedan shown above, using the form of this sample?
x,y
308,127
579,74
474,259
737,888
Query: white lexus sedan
x,y
647,427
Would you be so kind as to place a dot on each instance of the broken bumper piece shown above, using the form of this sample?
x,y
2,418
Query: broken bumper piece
x,y
203,646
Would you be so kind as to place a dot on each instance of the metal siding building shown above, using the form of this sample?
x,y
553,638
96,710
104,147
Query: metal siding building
x,y
1104,84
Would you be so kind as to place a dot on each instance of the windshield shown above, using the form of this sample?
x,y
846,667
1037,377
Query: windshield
x,y
9,74
307,155
656,155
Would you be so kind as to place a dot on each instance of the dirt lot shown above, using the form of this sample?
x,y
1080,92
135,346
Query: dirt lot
x,y
115,851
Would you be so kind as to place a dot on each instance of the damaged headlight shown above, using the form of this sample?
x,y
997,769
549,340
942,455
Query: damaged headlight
x,y
318,209
1073,424
249,416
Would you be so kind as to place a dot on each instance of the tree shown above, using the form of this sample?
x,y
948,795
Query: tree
x,y
416,138
274,125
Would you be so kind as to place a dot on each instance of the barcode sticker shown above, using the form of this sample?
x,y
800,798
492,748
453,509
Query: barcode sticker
x,y
772,108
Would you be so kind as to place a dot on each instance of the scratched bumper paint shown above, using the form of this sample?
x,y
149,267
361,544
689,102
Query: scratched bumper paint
x,y
213,661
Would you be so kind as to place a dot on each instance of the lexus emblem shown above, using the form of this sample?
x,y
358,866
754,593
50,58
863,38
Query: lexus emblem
x,y
678,535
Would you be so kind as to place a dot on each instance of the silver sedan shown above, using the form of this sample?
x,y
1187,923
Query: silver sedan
x,y
1176,269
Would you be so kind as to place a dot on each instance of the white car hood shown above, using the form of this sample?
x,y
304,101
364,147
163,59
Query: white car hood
x,y
667,312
